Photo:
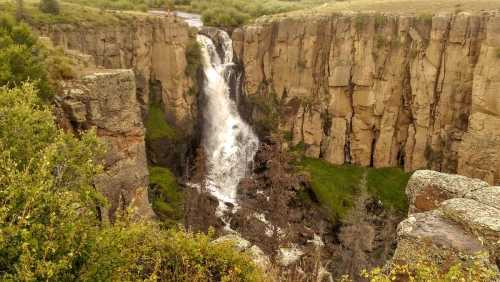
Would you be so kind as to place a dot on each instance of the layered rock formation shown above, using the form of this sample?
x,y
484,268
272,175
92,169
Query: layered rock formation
x,y
106,100
452,218
153,46
383,90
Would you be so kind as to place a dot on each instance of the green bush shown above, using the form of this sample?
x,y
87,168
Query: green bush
x,y
21,57
49,6
49,213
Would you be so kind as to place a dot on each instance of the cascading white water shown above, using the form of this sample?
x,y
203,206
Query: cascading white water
x,y
230,144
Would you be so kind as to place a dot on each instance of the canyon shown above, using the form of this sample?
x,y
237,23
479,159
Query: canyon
x,y
375,90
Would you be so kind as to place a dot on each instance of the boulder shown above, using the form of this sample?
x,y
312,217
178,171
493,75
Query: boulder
x,y
426,189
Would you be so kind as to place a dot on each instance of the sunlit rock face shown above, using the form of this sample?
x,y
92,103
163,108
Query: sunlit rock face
x,y
383,90
106,100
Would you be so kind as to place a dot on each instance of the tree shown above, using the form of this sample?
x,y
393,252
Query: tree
x,y
21,57
49,7
49,222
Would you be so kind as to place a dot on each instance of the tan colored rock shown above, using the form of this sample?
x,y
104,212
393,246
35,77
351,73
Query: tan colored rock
x,y
107,100
394,91
426,189
481,219
462,224
153,46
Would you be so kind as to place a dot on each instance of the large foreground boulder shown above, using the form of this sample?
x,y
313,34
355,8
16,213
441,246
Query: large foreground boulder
x,y
452,219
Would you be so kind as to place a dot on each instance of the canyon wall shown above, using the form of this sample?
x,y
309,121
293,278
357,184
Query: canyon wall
x,y
153,46
382,90
106,100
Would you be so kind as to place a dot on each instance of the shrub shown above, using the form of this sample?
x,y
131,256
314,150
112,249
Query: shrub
x,y
49,213
49,7
21,57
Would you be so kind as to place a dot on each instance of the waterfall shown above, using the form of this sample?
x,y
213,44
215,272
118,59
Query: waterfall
x,y
230,144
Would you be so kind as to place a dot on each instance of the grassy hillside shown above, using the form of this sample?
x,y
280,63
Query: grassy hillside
x,y
336,187
417,7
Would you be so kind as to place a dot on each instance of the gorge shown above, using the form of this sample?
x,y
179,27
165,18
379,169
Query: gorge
x,y
266,111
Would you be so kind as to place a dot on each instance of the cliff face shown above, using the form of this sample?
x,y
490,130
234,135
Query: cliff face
x,y
106,100
154,47
383,90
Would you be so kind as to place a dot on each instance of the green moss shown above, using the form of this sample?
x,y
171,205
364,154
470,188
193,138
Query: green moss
x,y
156,125
388,185
335,186
168,198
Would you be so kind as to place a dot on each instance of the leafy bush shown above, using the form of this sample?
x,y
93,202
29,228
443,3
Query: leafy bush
x,y
49,6
425,270
21,57
49,217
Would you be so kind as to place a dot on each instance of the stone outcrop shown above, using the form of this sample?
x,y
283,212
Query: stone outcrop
x,y
153,46
462,223
106,100
383,90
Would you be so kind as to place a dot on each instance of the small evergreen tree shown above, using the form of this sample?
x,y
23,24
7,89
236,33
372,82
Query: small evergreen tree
x,y
49,7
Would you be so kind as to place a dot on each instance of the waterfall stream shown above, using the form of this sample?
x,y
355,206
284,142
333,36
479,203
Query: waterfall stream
x,y
230,144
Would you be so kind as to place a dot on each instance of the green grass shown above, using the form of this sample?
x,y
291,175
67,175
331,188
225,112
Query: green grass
x,y
69,14
156,125
335,186
388,185
168,198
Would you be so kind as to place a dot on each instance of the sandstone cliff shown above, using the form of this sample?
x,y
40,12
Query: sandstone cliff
x,y
106,100
452,218
383,90
153,46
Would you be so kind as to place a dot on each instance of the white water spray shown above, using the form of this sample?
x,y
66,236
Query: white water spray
x,y
230,144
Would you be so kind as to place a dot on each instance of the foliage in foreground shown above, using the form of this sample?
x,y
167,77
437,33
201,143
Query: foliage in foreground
x,y
425,270
49,223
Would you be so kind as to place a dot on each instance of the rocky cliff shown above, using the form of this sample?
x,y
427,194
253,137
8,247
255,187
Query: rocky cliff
x,y
153,46
382,90
452,218
106,100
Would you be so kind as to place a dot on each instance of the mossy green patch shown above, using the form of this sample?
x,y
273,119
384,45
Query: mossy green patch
x,y
168,198
336,186
156,125
388,185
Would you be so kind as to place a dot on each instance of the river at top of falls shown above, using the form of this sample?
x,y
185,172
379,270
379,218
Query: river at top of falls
x,y
230,144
